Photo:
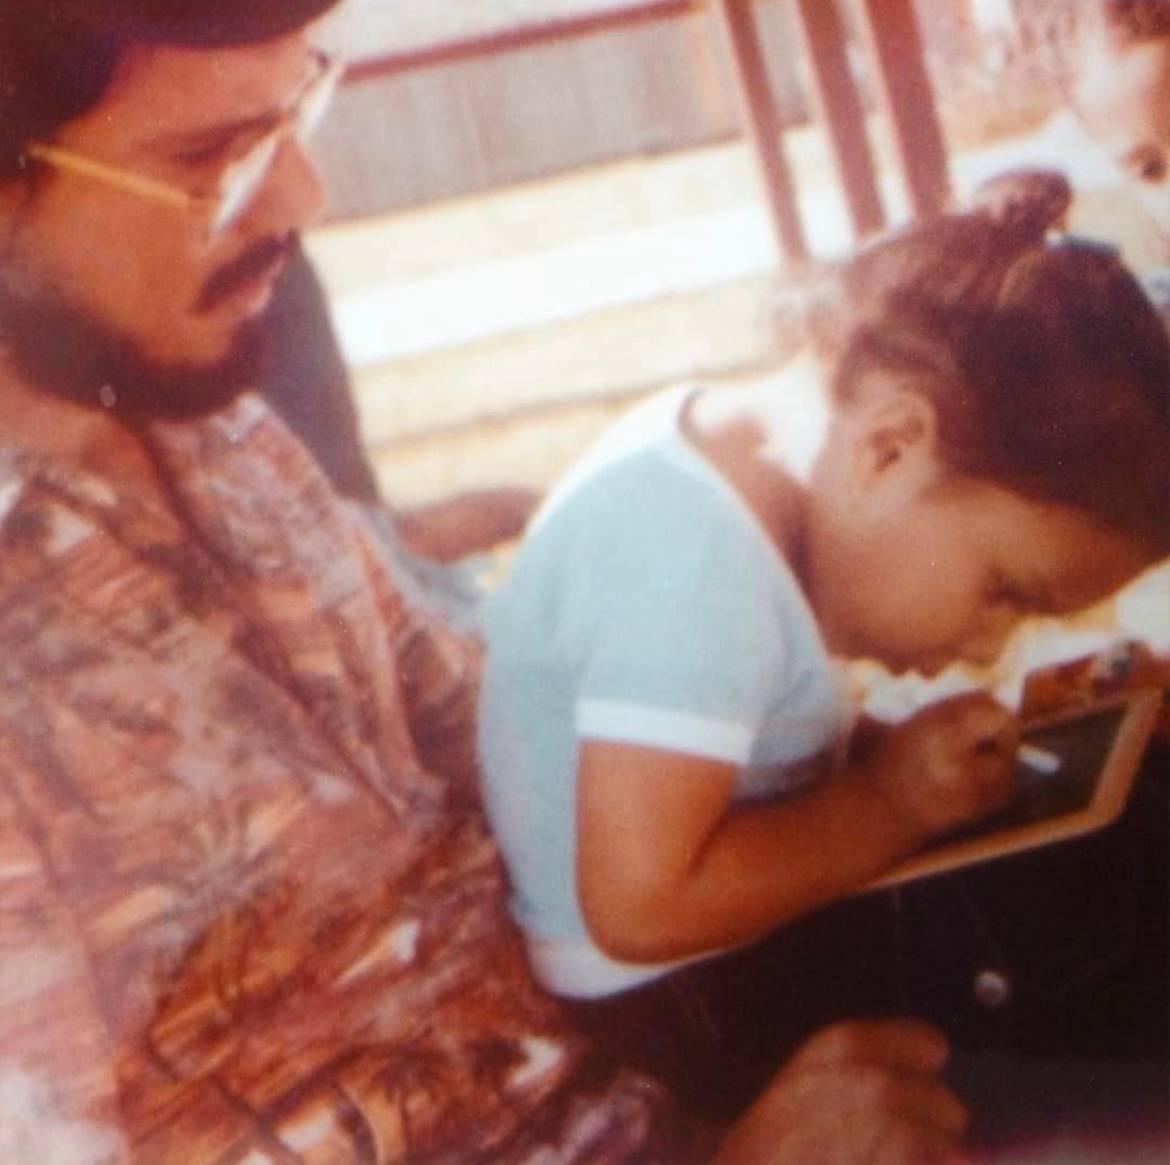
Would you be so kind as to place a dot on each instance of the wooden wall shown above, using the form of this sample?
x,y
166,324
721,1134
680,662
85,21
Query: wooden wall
x,y
447,129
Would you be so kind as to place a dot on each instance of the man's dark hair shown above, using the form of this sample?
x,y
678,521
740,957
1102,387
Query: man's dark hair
x,y
57,56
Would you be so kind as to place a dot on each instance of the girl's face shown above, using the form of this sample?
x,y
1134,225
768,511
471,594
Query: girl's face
x,y
916,566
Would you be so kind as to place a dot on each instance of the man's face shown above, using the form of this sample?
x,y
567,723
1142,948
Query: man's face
x,y
148,275
1122,95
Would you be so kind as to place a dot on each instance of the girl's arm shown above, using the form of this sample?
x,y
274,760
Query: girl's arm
x,y
667,867
468,523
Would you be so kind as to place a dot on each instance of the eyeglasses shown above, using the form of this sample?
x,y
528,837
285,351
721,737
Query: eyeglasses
x,y
239,182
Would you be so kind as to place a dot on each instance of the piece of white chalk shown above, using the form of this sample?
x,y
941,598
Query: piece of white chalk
x,y
1041,759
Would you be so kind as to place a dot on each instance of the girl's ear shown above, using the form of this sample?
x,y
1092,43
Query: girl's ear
x,y
894,435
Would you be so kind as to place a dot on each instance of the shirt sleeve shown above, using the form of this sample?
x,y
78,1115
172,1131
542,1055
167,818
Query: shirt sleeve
x,y
680,637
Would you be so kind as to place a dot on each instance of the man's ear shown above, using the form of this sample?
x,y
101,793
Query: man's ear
x,y
895,433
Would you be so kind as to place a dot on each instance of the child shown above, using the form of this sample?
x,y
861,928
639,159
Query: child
x,y
1113,64
659,709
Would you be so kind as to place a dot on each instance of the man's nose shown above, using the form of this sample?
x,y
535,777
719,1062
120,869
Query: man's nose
x,y
292,196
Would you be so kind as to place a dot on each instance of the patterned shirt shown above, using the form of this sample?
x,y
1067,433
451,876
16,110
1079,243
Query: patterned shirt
x,y
249,912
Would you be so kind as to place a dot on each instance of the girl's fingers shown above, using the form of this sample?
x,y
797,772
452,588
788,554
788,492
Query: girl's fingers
x,y
987,721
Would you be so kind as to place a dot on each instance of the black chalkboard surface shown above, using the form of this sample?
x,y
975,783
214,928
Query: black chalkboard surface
x,y
1099,749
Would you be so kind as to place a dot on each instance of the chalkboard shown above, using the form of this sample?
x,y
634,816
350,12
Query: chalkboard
x,y
1100,749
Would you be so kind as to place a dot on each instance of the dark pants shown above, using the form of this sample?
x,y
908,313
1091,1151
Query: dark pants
x,y
715,1032
1075,1040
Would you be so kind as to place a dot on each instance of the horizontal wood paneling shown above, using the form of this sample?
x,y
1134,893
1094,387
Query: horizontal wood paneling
x,y
453,128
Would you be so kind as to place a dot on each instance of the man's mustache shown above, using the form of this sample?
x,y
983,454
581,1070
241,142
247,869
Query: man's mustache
x,y
246,268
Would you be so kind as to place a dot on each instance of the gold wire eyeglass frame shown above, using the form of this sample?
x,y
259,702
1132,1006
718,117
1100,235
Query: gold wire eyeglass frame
x,y
240,181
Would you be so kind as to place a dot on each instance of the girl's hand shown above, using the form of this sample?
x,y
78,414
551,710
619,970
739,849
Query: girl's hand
x,y
668,865
950,764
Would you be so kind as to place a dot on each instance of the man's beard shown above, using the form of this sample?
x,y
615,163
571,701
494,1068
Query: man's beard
x,y
60,350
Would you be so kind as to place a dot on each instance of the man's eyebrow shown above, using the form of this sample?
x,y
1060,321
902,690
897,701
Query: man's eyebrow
x,y
222,133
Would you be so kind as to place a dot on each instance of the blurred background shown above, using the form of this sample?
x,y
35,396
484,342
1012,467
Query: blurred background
x,y
542,209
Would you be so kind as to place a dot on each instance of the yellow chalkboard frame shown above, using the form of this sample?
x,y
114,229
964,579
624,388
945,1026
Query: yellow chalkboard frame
x,y
1110,794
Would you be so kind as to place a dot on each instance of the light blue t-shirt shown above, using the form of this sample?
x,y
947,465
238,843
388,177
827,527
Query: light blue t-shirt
x,y
646,606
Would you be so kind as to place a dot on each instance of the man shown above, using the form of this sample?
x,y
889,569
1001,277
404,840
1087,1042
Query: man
x,y
1114,64
250,912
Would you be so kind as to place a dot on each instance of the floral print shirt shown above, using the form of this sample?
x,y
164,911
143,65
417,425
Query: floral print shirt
x,y
249,912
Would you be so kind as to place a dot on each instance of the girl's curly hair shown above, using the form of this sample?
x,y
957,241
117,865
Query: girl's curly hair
x,y
1047,365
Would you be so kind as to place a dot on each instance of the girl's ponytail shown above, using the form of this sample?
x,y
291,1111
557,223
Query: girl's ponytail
x,y
1047,365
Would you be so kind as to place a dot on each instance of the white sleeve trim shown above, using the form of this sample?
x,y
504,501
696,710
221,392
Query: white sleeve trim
x,y
576,968
689,732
